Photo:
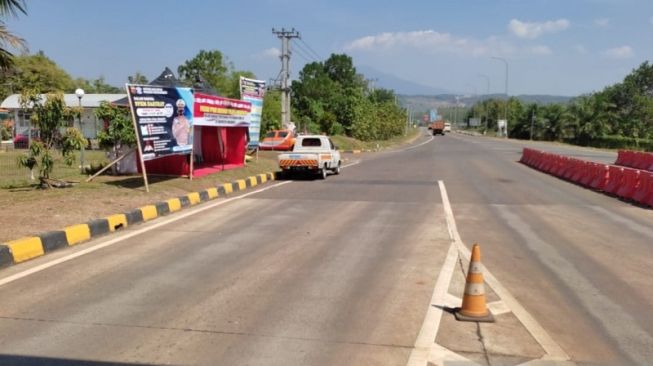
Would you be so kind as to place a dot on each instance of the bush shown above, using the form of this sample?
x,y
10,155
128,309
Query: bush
x,y
616,142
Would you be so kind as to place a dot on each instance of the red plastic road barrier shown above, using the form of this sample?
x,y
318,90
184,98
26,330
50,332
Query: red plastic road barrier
x,y
589,174
600,177
571,168
644,194
629,184
581,170
615,177
635,159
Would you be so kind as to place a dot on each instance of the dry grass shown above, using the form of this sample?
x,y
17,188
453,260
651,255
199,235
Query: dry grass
x,y
27,210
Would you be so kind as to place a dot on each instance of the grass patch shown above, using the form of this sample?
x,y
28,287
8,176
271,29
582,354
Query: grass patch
x,y
348,143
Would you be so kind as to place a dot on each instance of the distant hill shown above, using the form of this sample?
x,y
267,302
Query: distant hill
x,y
426,102
400,86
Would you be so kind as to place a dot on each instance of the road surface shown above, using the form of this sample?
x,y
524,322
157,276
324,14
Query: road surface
x,y
341,271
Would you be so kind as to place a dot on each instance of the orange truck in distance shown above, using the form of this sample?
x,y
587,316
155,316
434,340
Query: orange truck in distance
x,y
437,127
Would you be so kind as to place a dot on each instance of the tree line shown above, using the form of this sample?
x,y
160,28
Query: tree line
x,y
332,97
619,116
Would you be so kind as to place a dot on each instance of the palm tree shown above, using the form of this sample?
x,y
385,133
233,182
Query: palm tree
x,y
10,8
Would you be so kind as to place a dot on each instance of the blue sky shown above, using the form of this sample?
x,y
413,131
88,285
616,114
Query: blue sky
x,y
564,47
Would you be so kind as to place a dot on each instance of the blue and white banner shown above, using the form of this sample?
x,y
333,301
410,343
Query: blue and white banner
x,y
163,119
253,91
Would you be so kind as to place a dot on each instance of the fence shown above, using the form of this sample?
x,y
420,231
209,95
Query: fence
x,y
14,176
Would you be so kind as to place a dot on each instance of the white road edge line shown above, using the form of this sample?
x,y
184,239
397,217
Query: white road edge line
x,y
426,338
152,226
553,350
413,147
164,221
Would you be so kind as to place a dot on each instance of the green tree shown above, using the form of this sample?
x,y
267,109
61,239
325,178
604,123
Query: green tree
x,y
120,129
271,115
50,116
137,78
10,8
209,66
38,72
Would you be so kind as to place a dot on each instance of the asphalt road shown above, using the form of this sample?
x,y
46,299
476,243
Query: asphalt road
x,y
342,271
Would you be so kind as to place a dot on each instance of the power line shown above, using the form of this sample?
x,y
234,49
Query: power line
x,y
317,55
303,53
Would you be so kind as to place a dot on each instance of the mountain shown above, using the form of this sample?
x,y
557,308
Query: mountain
x,y
427,102
400,86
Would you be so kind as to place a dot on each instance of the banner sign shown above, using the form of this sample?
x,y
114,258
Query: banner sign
x,y
433,115
474,122
163,117
253,91
221,112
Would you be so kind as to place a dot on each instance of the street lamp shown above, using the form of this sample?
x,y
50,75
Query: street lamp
x,y
80,93
505,113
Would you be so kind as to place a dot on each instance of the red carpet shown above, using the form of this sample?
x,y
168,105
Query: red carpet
x,y
206,169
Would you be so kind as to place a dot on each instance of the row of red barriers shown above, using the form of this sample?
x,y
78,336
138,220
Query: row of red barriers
x,y
631,184
635,159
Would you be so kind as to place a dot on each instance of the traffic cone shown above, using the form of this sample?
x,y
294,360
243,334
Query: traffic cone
x,y
474,308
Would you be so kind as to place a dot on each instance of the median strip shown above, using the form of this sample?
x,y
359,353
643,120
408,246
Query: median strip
x,y
21,250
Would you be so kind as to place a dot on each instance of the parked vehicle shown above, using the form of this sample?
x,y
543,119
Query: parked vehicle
x,y
437,127
21,141
278,140
312,154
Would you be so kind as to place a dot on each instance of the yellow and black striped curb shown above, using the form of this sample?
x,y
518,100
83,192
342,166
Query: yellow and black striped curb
x,y
24,249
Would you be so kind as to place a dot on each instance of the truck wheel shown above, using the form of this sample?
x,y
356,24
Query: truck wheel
x,y
323,173
336,171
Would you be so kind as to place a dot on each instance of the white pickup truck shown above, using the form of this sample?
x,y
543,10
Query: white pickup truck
x,y
312,153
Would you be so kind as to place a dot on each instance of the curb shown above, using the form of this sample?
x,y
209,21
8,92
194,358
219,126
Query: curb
x,y
23,249
356,151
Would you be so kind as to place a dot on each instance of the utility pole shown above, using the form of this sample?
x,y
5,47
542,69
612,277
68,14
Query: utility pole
x,y
285,36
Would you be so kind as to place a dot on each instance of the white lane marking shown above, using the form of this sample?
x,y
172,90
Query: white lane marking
x,y
623,328
426,338
534,328
351,164
442,356
152,226
412,147
498,307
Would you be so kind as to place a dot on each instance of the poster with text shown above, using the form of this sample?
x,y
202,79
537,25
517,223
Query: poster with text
x,y
210,110
163,118
253,91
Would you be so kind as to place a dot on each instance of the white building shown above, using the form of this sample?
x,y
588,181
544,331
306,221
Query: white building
x,y
90,124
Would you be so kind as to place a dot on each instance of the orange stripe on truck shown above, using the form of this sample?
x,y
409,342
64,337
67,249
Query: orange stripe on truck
x,y
292,162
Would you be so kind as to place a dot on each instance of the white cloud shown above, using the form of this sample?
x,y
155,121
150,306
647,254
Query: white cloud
x,y
622,52
533,30
271,53
581,49
602,22
430,41
541,50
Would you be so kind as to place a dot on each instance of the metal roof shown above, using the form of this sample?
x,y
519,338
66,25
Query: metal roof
x,y
88,100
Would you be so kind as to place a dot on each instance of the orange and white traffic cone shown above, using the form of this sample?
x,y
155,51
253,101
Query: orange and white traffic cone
x,y
474,308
